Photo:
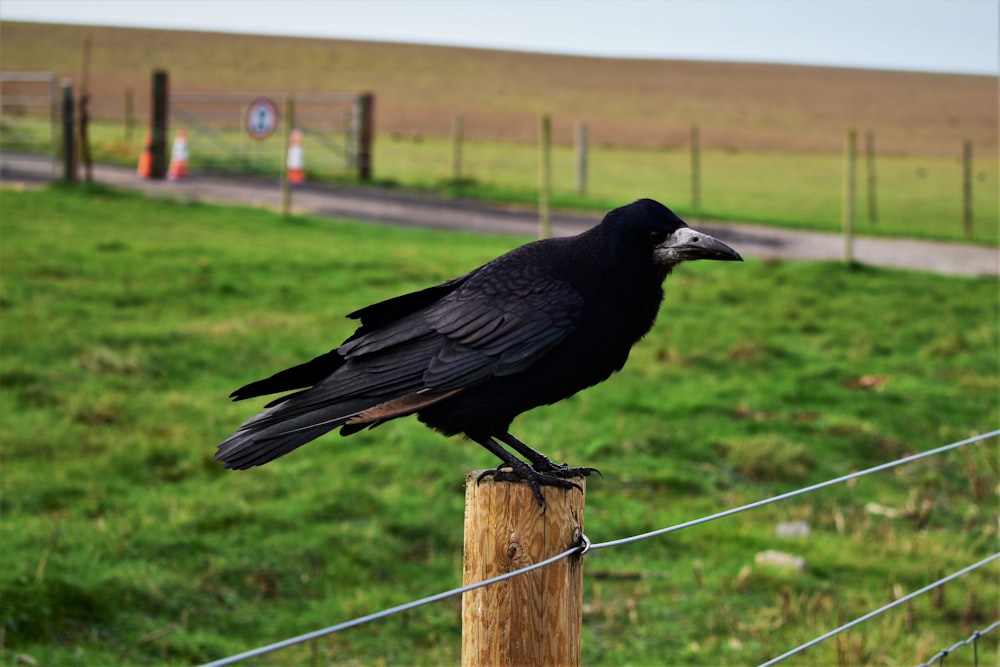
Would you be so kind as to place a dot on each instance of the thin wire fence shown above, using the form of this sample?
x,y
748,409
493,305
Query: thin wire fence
x,y
395,610
586,545
880,610
972,640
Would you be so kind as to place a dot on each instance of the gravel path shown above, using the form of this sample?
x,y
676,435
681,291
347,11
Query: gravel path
x,y
381,206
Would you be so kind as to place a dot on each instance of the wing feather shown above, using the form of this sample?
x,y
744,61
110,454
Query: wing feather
x,y
413,351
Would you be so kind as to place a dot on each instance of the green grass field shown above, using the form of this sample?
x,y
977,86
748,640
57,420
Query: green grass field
x,y
126,322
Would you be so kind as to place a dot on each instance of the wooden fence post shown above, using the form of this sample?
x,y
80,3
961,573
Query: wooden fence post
x,y
129,115
366,135
55,122
533,619
286,183
870,173
158,126
581,144
967,188
545,178
695,167
850,188
83,115
457,132
84,155
69,133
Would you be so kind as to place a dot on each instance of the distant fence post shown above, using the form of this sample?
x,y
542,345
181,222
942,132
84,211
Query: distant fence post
x,y
69,133
158,126
366,135
83,115
54,121
286,182
86,156
870,173
545,178
534,619
967,188
850,188
695,167
581,145
457,130
129,115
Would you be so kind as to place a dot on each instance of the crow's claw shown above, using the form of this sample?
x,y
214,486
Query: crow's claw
x,y
565,471
536,480
543,465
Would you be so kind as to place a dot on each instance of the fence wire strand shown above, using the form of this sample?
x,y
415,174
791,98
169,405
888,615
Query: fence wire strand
x,y
797,492
882,609
973,639
586,545
579,549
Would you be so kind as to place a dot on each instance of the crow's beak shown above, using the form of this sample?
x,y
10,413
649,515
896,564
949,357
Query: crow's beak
x,y
687,244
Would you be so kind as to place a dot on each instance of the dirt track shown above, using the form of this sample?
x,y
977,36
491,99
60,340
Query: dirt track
x,y
389,207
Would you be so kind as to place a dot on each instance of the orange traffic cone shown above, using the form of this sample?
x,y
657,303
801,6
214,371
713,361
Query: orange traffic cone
x,y
146,159
178,158
296,162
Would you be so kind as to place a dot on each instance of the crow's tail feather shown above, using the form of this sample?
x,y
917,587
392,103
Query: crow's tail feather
x,y
297,377
278,430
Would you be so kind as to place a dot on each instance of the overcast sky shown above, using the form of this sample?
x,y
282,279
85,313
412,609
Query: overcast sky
x,y
927,35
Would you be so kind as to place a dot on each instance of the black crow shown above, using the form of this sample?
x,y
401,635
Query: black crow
x,y
529,328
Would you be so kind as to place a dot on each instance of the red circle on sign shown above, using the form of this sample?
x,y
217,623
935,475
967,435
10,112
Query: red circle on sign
x,y
262,118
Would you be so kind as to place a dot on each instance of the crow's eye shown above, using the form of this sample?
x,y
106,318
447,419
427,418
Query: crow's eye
x,y
657,237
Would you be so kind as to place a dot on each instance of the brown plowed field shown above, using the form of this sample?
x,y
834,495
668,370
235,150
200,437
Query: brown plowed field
x,y
630,102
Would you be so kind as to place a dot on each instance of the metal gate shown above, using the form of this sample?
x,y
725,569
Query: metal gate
x,y
218,140
29,113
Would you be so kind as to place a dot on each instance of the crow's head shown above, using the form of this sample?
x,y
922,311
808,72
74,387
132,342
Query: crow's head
x,y
655,226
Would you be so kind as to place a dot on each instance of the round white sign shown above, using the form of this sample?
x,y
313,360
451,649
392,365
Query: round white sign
x,y
262,118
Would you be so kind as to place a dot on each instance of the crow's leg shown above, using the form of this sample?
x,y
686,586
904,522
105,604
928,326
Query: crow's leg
x,y
541,463
521,471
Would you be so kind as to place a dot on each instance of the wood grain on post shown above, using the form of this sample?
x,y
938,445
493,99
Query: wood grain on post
x,y
534,618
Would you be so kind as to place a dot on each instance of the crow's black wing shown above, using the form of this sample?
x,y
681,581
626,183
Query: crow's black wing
x,y
386,312
315,370
290,379
498,322
495,321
